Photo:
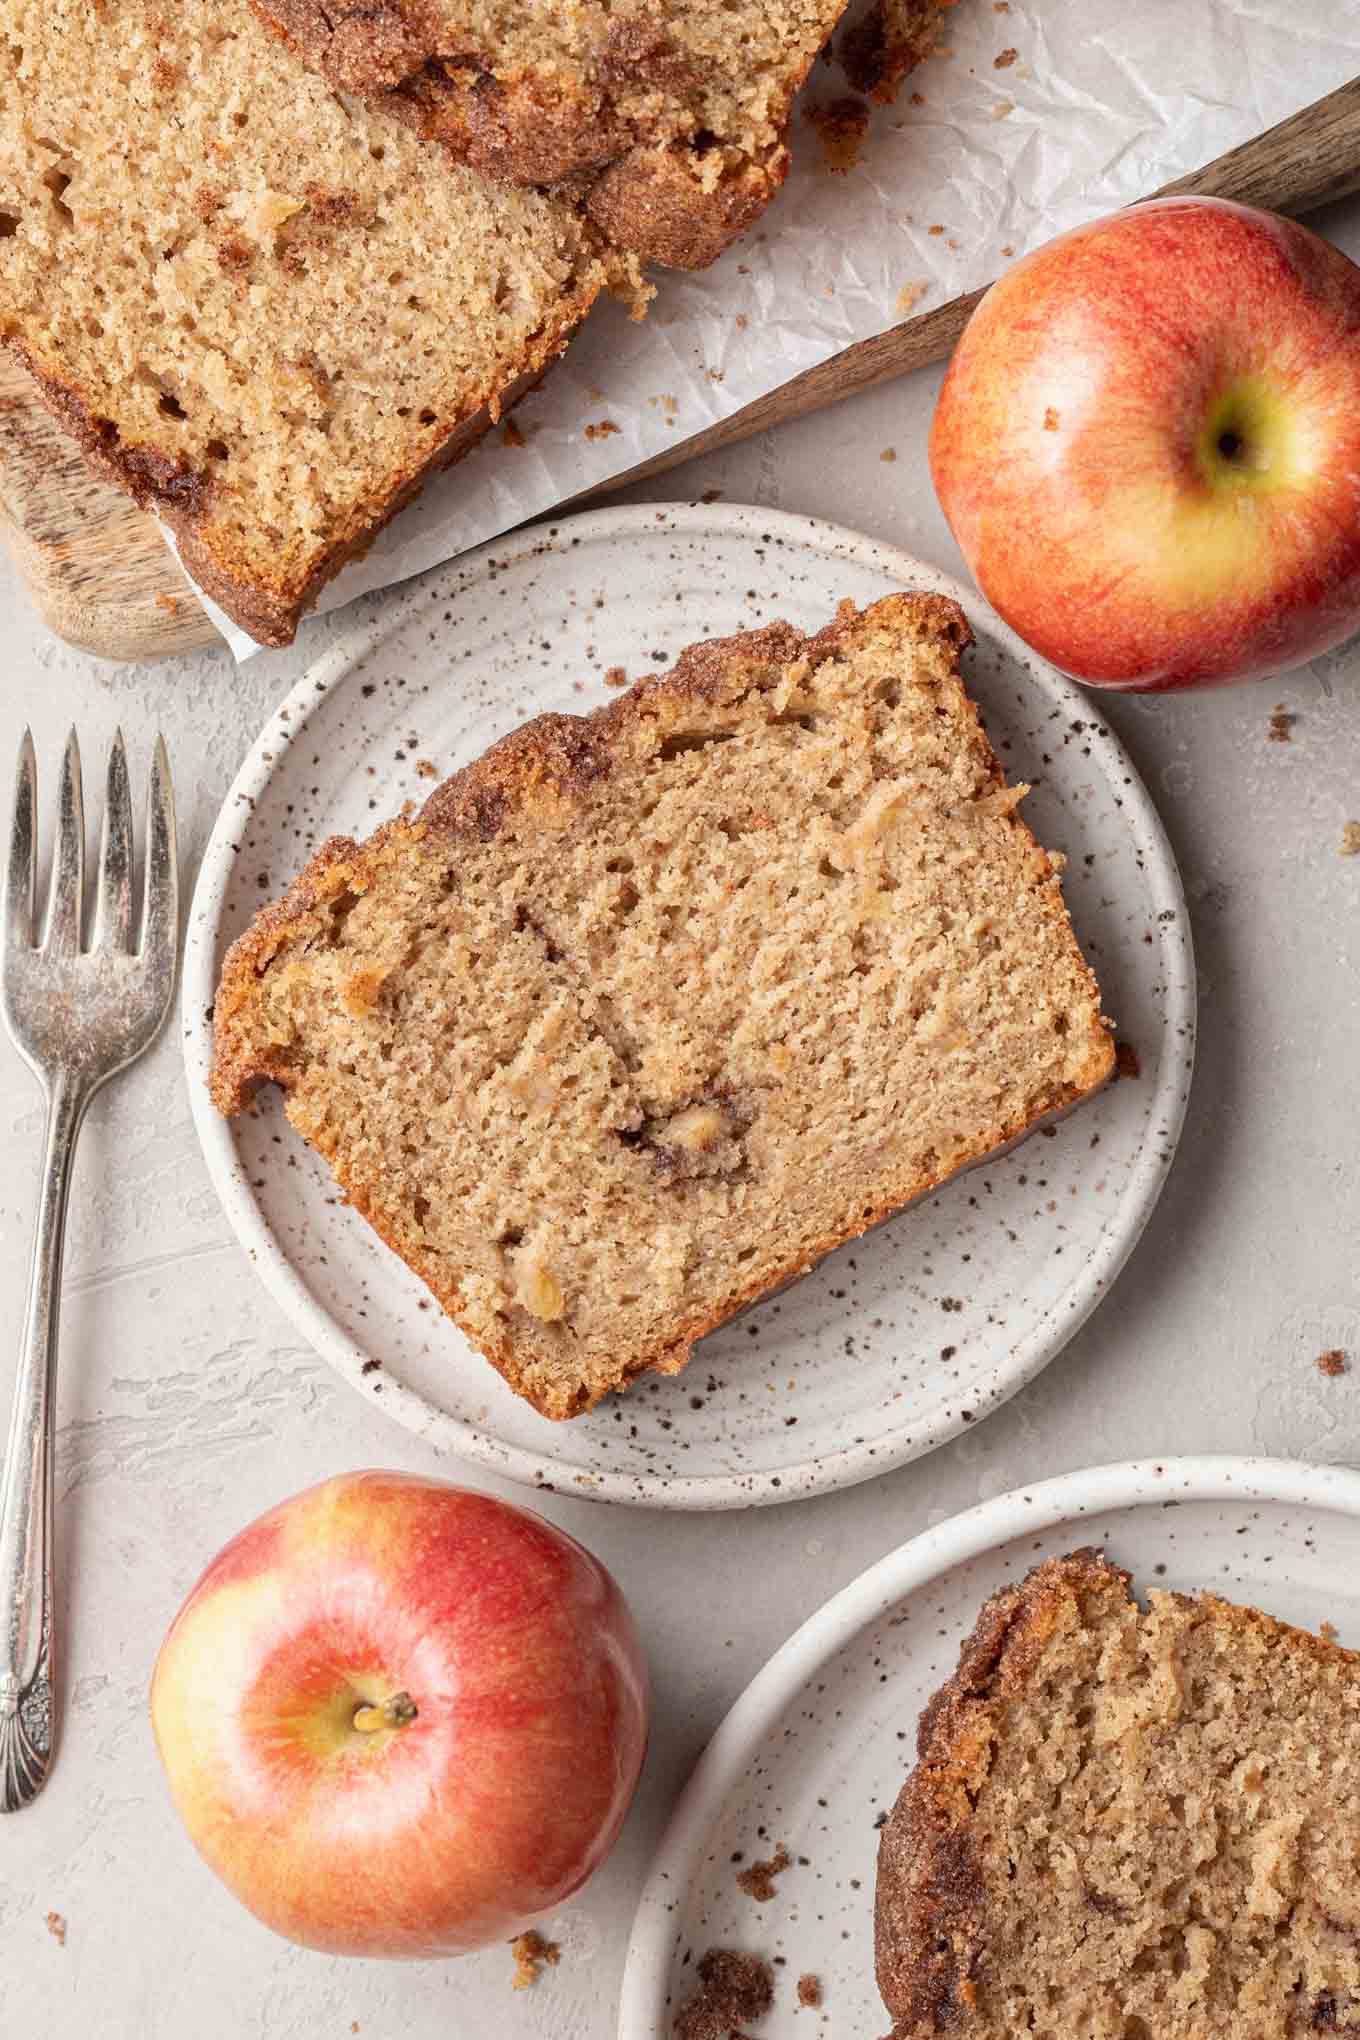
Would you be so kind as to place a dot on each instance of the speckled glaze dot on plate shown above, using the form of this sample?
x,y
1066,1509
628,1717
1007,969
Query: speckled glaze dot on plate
x,y
814,1752
898,1341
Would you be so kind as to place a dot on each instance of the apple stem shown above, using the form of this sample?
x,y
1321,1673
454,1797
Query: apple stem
x,y
393,1713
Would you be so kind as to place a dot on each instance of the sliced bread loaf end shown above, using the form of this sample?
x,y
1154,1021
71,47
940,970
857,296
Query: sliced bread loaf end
x,y
650,1009
249,298
1127,1825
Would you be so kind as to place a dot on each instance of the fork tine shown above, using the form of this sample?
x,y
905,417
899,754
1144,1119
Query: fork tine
x,y
65,897
160,906
113,901
20,874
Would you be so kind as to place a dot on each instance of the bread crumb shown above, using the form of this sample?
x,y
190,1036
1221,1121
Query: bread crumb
x,y
757,1880
616,676
1350,839
909,297
840,125
711,496
1008,251
603,429
1328,1632
734,1991
937,229
1051,420
889,453
511,434
1001,6
56,1927
1281,723
1005,60
741,322
810,1991
1333,1363
1126,1063
1002,108
531,1952
167,602
426,768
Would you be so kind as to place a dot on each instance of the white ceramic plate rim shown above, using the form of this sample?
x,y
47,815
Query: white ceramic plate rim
x,y
1093,1491
843,1468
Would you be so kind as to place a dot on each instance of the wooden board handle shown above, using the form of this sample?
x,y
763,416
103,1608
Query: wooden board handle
x,y
1306,161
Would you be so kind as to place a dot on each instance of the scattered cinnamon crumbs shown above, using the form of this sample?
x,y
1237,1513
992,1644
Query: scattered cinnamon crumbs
x,y
757,1879
511,434
531,1952
735,1990
426,768
1333,1363
167,602
840,125
1126,1063
936,229
616,676
1051,420
889,453
1005,60
810,1991
56,1927
909,297
1350,839
603,429
1281,723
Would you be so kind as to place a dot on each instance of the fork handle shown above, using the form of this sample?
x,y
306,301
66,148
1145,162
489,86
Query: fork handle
x,y
27,1713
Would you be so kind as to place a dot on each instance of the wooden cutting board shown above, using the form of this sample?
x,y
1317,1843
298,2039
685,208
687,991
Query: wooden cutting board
x,y
101,576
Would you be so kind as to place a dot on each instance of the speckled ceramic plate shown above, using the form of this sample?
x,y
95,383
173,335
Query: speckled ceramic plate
x,y
814,1752
893,1344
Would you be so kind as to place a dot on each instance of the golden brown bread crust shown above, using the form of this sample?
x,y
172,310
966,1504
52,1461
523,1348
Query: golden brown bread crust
x,y
656,199
182,497
930,1918
531,775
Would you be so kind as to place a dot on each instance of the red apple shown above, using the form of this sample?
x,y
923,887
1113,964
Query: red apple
x,y
1148,446
401,1718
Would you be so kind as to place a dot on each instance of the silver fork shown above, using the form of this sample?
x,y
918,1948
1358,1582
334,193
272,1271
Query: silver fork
x,y
77,1017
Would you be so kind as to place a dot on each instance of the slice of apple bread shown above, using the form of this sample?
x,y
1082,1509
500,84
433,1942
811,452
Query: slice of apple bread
x,y
649,1009
1127,1825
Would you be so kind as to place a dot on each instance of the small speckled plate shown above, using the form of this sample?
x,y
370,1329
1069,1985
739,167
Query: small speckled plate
x,y
896,1342
814,1752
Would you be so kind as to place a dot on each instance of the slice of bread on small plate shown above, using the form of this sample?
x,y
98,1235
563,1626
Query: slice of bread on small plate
x,y
648,1010
1127,1824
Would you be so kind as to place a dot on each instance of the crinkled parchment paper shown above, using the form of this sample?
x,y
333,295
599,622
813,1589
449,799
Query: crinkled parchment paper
x,y
1033,116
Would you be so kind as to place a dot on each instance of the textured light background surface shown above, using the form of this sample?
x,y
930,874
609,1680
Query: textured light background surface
x,y
187,1406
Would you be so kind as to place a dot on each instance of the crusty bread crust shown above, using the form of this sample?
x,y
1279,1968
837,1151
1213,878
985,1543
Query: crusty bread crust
x,y
930,1924
531,777
655,195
